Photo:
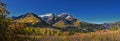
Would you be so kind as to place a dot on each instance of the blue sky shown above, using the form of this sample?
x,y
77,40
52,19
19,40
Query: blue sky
x,y
93,11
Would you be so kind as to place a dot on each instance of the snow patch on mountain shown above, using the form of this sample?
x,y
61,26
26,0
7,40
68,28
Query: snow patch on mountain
x,y
46,15
63,14
68,17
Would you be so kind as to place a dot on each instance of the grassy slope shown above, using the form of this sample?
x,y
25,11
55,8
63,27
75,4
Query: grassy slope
x,y
95,36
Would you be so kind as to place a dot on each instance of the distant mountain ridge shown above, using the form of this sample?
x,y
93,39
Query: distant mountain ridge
x,y
52,18
49,18
63,21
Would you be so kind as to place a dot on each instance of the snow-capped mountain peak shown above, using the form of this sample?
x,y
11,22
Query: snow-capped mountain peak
x,y
49,14
68,17
63,14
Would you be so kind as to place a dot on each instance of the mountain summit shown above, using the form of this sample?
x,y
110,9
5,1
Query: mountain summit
x,y
52,18
29,17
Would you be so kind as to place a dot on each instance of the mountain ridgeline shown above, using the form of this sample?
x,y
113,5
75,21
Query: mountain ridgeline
x,y
63,22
